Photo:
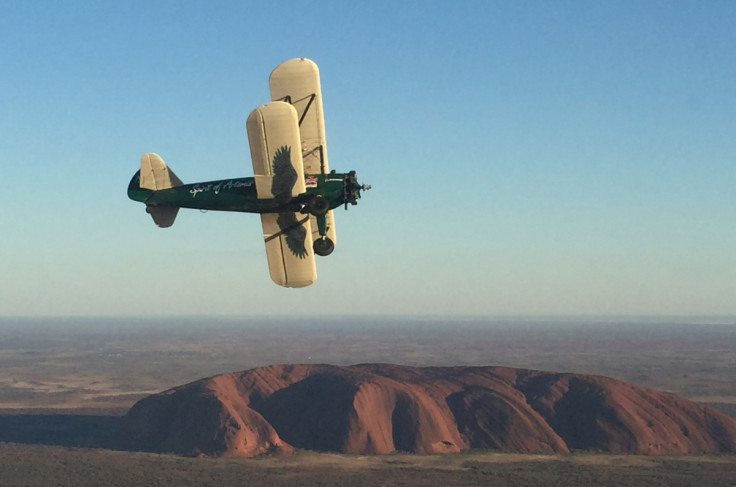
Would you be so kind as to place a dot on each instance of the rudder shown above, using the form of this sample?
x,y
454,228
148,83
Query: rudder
x,y
155,174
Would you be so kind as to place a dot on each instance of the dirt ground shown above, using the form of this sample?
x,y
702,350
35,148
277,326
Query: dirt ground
x,y
35,465
64,383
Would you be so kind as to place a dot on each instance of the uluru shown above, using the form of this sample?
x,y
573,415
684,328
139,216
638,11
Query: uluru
x,y
383,408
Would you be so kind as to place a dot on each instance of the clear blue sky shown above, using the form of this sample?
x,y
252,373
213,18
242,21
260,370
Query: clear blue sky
x,y
544,157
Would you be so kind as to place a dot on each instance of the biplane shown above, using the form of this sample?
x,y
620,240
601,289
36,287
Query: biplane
x,y
293,189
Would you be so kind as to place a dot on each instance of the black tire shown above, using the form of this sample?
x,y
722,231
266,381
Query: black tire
x,y
319,205
323,246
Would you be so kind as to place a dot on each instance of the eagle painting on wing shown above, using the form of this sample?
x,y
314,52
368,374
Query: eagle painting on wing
x,y
294,232
284,175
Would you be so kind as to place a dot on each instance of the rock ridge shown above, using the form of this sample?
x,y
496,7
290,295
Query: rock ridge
x,y
382,408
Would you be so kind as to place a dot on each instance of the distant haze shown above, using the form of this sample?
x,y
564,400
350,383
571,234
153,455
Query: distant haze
x,y
104,362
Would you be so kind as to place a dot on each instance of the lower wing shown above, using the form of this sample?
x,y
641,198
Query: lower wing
x,y
288,238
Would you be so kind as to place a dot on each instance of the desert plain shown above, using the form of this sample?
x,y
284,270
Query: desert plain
x,y
64,383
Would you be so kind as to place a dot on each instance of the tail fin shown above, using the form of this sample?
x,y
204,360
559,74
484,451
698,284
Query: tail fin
x,y
155,175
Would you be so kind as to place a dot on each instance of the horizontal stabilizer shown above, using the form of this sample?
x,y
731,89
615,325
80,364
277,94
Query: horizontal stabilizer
x,y
163,216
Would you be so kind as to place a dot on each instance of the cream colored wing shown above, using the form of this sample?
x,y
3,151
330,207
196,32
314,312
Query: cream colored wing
x,y
273,135
288,239
297,82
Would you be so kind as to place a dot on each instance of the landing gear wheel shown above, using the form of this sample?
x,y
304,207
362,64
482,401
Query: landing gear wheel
x,y
318,205
323,246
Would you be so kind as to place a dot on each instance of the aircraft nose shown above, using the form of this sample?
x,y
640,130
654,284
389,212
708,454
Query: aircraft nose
x,y
353,189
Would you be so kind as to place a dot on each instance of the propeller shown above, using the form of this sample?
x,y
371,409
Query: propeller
x,y
352,189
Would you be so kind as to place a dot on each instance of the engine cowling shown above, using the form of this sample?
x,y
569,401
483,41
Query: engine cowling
x,y
352,189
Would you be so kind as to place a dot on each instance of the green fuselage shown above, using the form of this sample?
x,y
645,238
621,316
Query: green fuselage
x,y
238,194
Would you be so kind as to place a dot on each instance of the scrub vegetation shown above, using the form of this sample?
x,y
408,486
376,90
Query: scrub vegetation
x,y
65,383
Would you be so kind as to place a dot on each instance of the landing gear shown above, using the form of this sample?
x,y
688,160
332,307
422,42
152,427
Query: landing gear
x,y
323,246
318,206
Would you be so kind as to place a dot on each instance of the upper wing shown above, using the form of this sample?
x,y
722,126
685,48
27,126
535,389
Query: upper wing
x,y
297,82
273,134
289,249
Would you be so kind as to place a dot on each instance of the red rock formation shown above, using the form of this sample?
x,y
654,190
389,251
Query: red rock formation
x,y
381,408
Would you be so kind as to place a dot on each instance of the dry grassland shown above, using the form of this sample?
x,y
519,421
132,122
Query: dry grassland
x,y
63,382
31,465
